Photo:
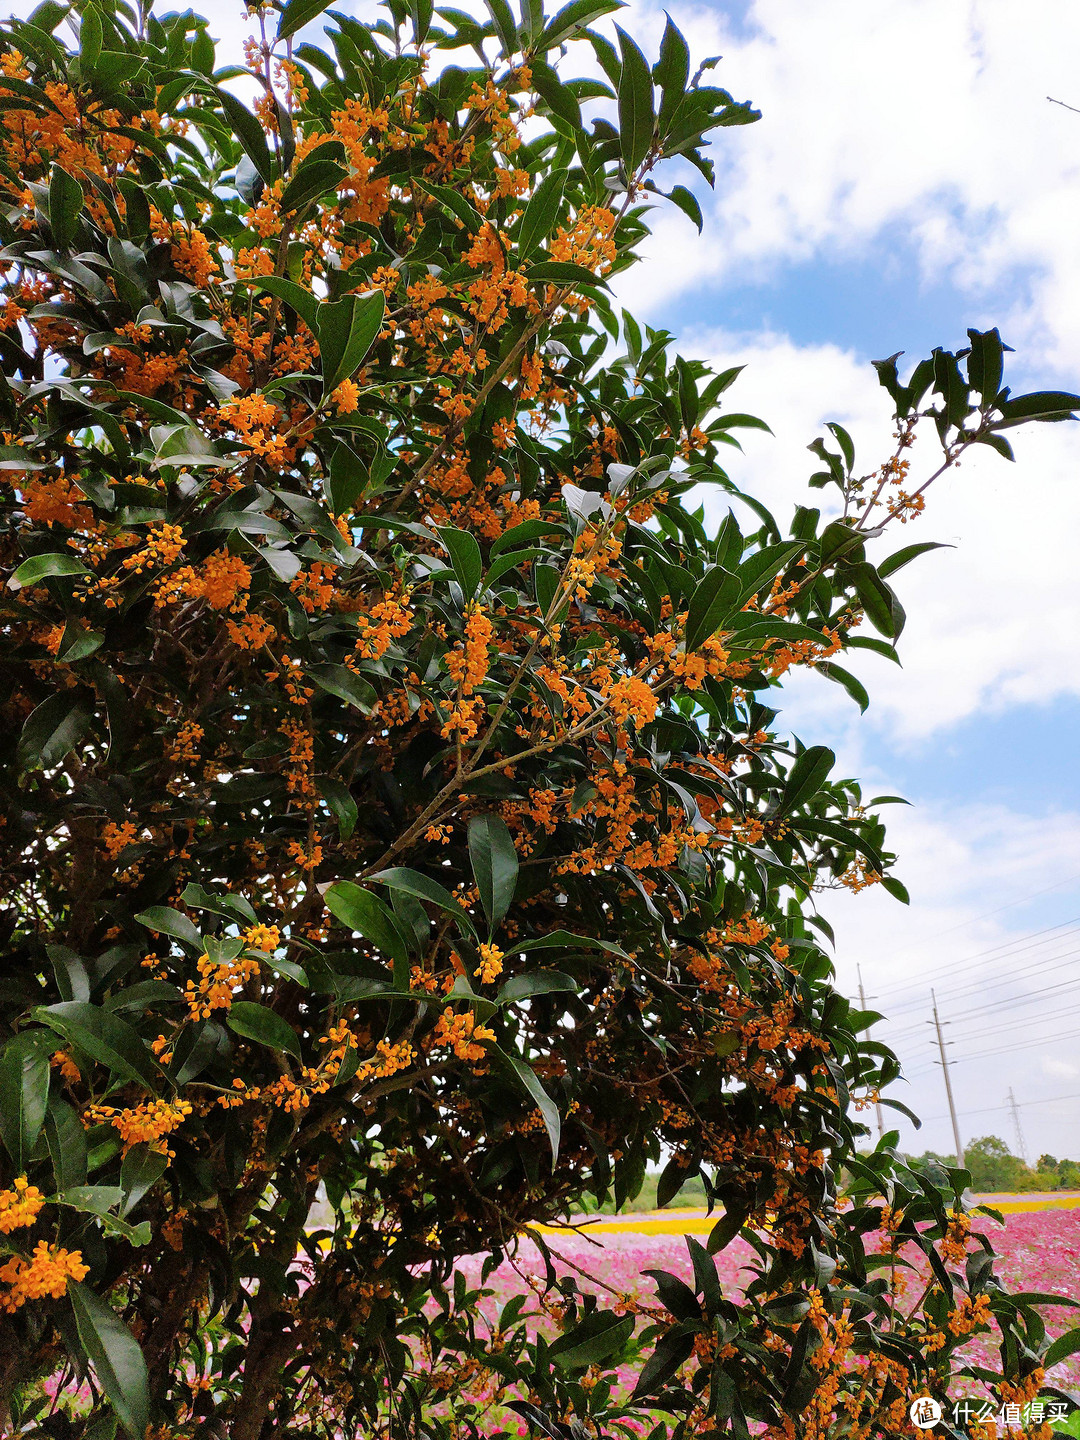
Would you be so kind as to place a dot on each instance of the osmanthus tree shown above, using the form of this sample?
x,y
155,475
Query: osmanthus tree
x,y
393,811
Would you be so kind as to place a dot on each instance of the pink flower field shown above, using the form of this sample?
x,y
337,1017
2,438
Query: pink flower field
x,y
1038,1251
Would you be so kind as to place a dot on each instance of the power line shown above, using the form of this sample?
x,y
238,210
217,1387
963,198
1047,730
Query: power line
x,y
988,1109
1024,1045
877,1103
1016,1002
1023,977
979,1036
968,1041
1011,905
1001,953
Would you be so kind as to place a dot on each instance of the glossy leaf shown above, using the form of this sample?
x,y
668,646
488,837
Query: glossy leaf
x,y
298,13
65,206
526,1078
716,596
360,910
346,330
411,882
465,557
105,1038
255,1022
494,865
806,776
116,1357
24,1094
637,118
45,567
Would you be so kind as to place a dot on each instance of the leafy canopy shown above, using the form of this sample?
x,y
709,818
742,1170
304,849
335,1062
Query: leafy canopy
x,y
393,816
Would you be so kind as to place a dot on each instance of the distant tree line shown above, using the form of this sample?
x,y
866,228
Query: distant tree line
x,y
993,1166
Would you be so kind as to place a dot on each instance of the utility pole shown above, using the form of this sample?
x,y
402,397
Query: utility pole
x,y
1014,1109
960,1160
862,1005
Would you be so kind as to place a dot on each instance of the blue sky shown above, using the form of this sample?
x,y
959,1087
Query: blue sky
x,y
910,178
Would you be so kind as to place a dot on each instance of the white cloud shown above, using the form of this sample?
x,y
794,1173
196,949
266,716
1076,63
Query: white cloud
x,y
992,622
993,926
907,120
1060,1069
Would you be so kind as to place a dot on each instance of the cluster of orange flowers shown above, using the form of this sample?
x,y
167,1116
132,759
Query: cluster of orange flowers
x,y
47,1272
463,1035
19,1206
148,1122
491,964
387,620
217,981
467,665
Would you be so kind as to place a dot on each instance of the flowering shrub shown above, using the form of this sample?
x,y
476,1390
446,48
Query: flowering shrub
x,y
393,816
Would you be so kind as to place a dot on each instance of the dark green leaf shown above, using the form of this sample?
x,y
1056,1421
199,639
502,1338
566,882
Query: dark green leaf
x,y
249,132
985,362
494,865
906,555
65,1135
344,808
538,982
806,777
762,568
564,272
167,921
65,207
346,331
257,1022
855,688
637,118
339,680
43,567
360,910
671,1351
1061,1348
559,98
464,556
526,1078
502,18
715,597
116,1357
24,1093
140,1170
599,1337
541,215
315,175
686,200
571,19
1041,405
454,202
50,731
671,73
297,14
883,609
302,301
411,882
90,38
105,1038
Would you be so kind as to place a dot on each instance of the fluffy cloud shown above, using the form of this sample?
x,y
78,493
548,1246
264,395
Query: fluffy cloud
x,y
992,926
907,120
992,622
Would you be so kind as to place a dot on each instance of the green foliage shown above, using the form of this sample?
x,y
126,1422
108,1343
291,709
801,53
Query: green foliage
x,y
395,814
